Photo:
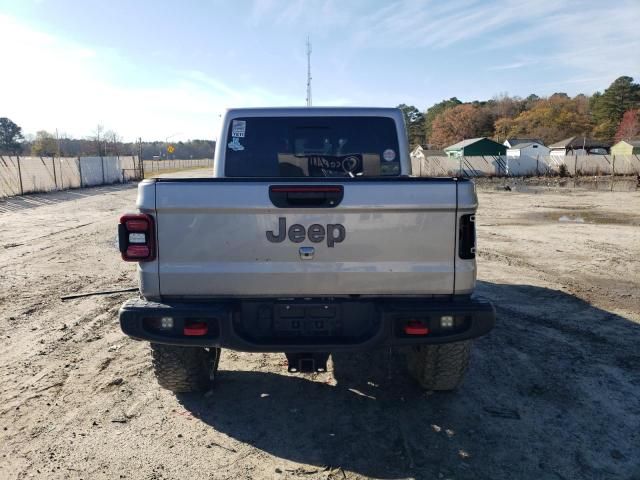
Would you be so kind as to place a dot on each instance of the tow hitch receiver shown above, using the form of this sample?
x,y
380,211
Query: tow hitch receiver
x,y
307,362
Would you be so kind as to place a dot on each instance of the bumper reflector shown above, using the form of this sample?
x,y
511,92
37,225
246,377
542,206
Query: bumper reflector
x,y
195,329
416,327
137,251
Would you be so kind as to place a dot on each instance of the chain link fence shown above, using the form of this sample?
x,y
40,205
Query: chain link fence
x,y
435,166
20,175
153,166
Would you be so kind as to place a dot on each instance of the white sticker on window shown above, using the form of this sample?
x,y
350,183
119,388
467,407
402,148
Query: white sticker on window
x,y
238,128
389,155
235,145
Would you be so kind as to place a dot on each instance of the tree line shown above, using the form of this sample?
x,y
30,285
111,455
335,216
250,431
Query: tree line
x,y
102,142
609,116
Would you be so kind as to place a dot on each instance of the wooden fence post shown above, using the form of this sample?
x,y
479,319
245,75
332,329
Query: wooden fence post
x,y
55,178
102,164
613,165
80,170
20,175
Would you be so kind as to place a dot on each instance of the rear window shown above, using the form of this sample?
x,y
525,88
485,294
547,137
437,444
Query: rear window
x,y
312,147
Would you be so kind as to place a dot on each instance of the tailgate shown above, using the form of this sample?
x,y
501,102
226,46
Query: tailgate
x,y
228,238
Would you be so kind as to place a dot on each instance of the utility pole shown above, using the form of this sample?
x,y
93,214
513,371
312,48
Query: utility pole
x,y
308,72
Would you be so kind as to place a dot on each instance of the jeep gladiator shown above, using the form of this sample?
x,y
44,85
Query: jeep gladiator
x,y
311,237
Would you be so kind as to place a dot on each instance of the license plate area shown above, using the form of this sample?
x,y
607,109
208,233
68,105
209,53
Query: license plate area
x,y
306,322
318,320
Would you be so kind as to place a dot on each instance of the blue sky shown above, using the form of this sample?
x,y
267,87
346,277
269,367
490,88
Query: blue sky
x,y
157,68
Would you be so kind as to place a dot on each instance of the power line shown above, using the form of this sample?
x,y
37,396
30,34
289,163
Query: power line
x,y
308,72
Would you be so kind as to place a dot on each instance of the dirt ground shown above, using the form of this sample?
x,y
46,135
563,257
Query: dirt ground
x,y
553,391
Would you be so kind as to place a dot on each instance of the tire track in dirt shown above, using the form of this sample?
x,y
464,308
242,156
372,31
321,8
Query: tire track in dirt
x,y
552,392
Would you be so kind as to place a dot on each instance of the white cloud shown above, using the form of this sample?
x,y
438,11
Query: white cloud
x,y
54,83
509,66
591,38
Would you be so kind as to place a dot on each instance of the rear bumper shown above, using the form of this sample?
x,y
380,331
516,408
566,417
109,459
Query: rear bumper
x,y
307,325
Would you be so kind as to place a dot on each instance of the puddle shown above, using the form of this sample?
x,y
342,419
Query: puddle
x,y
584,217
607,184
542,185
567,219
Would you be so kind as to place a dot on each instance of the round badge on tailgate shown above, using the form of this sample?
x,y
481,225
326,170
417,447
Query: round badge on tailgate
x,y
389,155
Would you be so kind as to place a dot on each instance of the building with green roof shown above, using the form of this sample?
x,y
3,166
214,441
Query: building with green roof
x,y
476,147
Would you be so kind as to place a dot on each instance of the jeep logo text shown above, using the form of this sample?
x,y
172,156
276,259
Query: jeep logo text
x,y
316,233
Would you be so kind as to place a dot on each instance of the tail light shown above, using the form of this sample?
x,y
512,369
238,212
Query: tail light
x,y
136,238
467,238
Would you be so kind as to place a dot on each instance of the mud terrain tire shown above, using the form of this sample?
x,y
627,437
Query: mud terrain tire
x,y
439,367
184,369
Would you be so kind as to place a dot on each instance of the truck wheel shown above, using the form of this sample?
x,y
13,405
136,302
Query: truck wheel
x,y
184,369
439,367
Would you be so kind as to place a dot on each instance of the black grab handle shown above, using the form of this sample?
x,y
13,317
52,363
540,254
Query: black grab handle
x,y
305,196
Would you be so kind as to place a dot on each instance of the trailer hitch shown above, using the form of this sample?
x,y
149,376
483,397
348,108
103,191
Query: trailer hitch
x,y
307,362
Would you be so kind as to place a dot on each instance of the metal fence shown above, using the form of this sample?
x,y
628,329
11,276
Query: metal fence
x,y
525,166
151,166
20,175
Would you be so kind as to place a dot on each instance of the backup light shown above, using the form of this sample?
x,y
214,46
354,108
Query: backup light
x,y
166,323
137,238
446,321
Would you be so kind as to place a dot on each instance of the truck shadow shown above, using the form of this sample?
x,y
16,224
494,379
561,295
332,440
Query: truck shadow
x,y
552,392
34,200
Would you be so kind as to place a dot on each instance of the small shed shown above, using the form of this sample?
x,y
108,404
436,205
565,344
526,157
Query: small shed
x,y
579,146
514,142
475,147
626,147
530,150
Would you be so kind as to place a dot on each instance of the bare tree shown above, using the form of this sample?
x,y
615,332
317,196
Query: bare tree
x,y
113,141
98,139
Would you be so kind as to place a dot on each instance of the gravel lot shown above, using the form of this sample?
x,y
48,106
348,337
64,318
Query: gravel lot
x,y
553,392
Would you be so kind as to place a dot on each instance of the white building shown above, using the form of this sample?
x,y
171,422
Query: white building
x,y
527,159
531,150
579,146
513,142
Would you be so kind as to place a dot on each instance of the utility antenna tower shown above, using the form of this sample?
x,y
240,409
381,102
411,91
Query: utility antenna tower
x,y
308,72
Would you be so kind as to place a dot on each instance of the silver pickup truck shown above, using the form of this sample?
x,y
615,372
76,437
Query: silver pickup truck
x,y
311,237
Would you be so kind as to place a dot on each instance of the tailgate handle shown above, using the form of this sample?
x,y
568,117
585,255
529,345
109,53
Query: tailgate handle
x,y
303,196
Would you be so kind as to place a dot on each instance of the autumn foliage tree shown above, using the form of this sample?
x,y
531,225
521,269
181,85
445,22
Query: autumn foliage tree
x,y
629,127
550,120
432,113
459,123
